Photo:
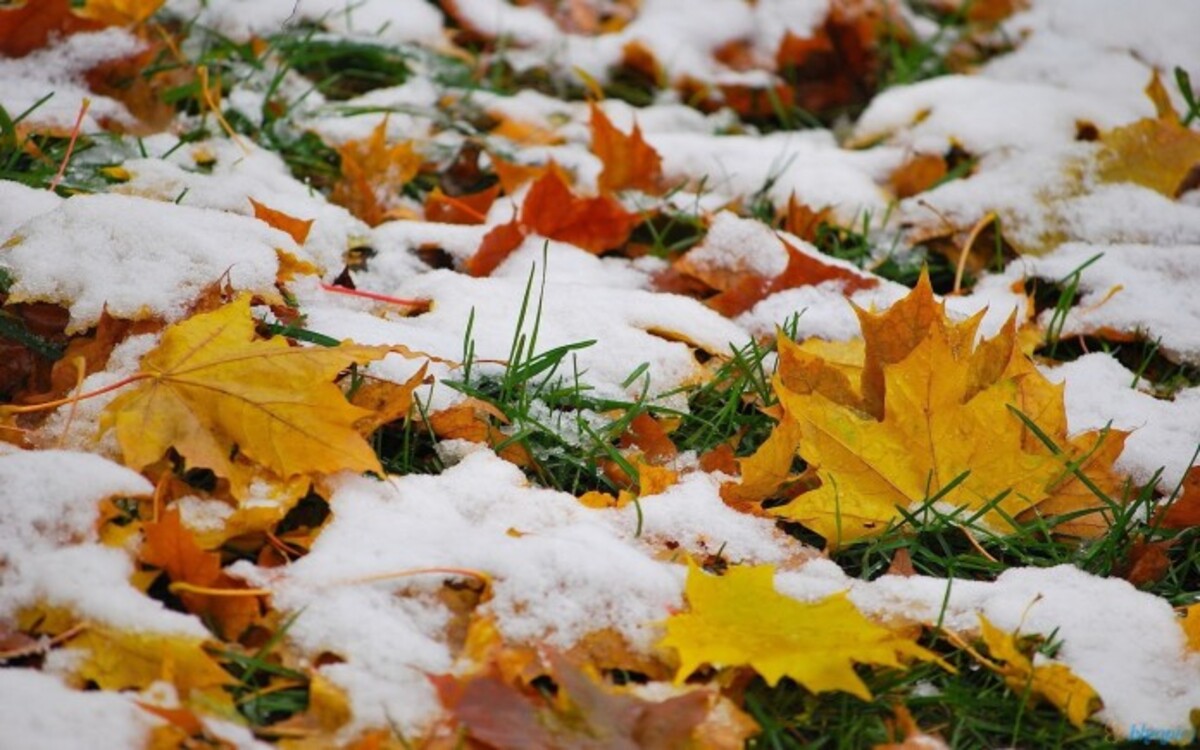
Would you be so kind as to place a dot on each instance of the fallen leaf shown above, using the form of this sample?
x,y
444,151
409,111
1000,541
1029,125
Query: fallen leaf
x,y
903,728
119,660
373,173
740,620
460,209
1147,561
594,224
385,401
804,268
1158,153
211,387
918,174
1053,682
1191,627
553,211
1184,511
934,416
170,546
117,12
629,162
298,229
803,221
29,25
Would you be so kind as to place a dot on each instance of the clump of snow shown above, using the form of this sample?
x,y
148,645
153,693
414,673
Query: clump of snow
x,y
629,326
38,710
19,204
58,71
739,244
49,549
139,257
235,177
388,20
983,115
1164,434
1145,289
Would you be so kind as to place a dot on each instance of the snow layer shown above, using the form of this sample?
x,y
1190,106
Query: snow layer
x,y
39,712
139,257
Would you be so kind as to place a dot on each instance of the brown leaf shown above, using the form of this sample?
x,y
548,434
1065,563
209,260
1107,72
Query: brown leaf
x,y
918,174
497,245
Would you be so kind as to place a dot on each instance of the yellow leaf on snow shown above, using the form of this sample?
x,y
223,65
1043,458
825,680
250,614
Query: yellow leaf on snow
x,y
211,387
739,619
1055,683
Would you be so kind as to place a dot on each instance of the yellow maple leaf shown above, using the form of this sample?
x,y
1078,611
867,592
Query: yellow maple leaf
x,y
1158,153
211,387
934,416
1191,627
739,619
1055,683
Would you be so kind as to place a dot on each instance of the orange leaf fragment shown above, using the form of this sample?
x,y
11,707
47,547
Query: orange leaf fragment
x,y
803,269
803,221
169,545
629,162
30,25
460,209
298,229
497,245
648,434
918,174
1184,511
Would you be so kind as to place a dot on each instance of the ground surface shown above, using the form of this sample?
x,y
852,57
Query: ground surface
x,y
599,373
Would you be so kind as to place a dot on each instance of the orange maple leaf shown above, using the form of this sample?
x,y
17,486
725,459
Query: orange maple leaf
x,y
629,162
553,211
29,25
373,173
460,209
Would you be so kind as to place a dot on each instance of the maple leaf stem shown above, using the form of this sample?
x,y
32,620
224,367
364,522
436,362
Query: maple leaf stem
x,y
374,296
74,399
190,588
988,218
62,168
409,572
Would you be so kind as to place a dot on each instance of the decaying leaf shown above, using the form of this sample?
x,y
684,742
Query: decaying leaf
x,y
934,416
739,619
1184,511
586,714
1053,682
212,388
120,660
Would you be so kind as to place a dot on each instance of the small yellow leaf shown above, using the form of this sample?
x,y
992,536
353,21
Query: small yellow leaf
x,y
1055,683
1191,627
739,619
